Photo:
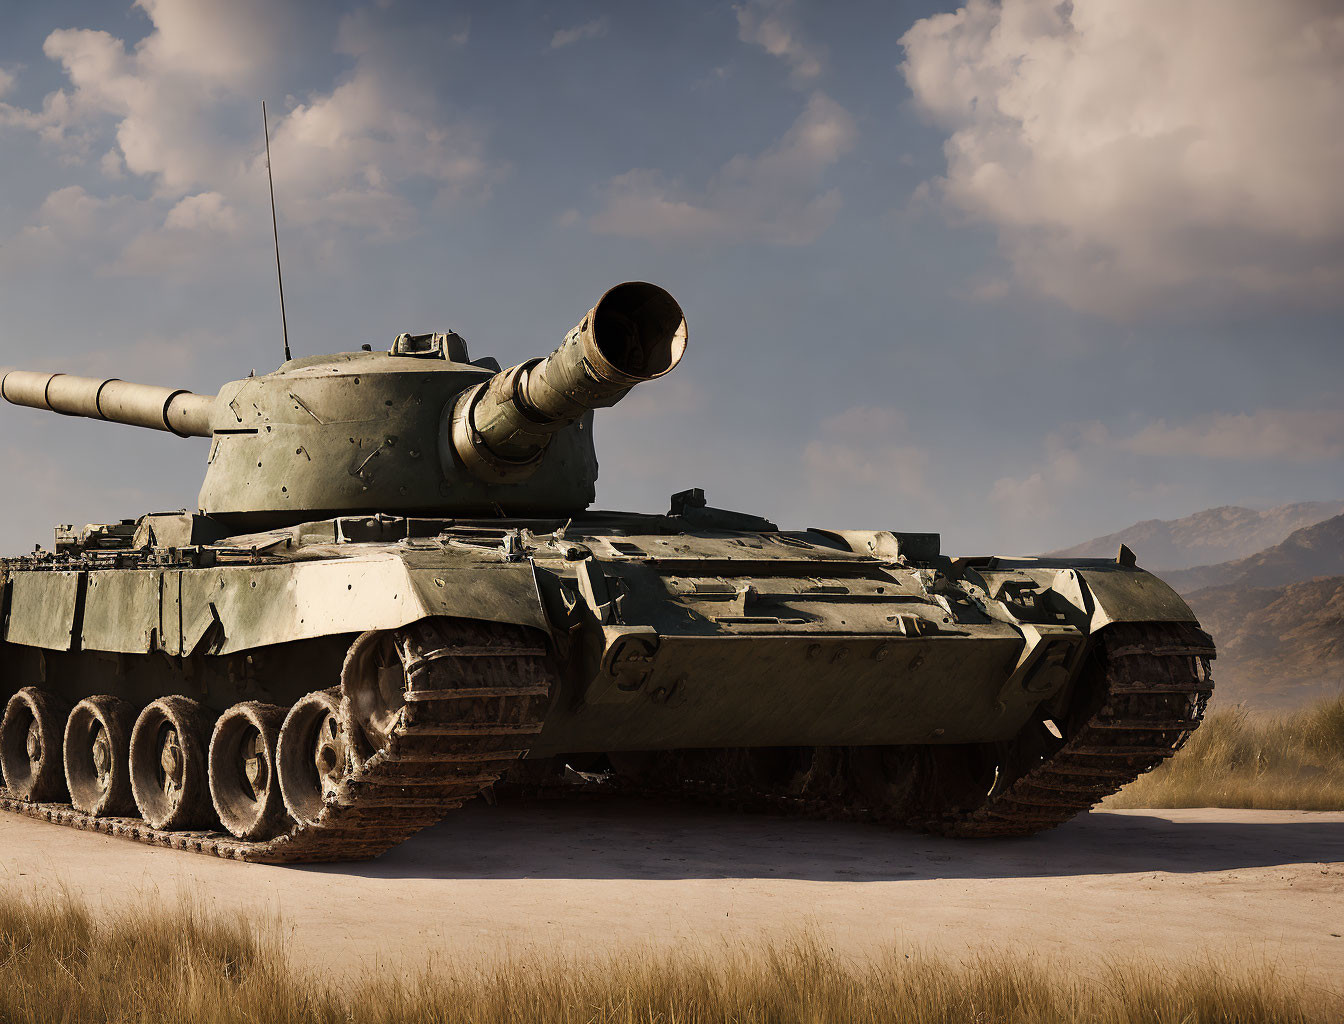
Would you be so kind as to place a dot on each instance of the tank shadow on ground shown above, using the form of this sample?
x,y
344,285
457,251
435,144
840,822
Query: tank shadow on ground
x,y
632,839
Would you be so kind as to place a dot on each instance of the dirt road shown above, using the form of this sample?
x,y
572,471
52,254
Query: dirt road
x,y
607,876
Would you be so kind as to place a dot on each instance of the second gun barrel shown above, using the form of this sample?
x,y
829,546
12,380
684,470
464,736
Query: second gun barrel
x,y
142,405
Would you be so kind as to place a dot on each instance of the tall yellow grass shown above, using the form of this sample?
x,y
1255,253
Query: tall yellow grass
x,y
58,965
1240,759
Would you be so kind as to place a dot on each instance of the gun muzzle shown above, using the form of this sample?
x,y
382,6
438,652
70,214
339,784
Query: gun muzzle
x,y
501,427
141,405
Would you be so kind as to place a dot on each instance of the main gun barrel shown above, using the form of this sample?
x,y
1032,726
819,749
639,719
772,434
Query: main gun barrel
x,y
501,427
141,405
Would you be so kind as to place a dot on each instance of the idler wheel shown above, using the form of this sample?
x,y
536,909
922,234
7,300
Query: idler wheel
x,y
30,746
243,780
312,756
97,756
170,774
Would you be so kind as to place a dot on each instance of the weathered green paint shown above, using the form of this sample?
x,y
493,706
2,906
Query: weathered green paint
x,y
122,611
365,491
43,609
1120,595
367,432
134,611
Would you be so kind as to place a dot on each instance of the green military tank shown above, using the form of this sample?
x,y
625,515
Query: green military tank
x,y
393,597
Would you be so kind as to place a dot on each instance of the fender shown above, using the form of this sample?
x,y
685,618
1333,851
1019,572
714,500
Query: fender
x,y
1093,597
228,609
305,600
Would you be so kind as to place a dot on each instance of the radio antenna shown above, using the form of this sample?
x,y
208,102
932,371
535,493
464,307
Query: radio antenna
x,y
275,231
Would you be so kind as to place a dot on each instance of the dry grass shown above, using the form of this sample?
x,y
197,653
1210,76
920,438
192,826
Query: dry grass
x,y
1240,759
185,967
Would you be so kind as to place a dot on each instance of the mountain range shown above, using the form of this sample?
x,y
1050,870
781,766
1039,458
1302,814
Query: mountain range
x,y
1214,535
1276,614
1316,550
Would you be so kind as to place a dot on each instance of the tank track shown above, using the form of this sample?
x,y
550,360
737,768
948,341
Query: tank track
x,y
1156,684
1153,684
475,693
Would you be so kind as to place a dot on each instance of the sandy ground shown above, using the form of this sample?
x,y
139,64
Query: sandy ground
x,y
613,875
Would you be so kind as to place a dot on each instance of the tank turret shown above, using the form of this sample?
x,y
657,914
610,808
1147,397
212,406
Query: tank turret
x,y
416,430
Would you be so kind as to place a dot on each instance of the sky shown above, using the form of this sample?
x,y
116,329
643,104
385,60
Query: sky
x,y
1021,273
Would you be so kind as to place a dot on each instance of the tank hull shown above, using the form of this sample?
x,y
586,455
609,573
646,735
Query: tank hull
x,y
642,634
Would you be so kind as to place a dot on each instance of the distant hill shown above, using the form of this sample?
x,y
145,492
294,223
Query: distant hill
x,y
1278,647
1316,550
1268,585
1214,535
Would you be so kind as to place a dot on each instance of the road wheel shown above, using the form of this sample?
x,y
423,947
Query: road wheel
x,y
170,774
30,746
243,780
312,756
97,756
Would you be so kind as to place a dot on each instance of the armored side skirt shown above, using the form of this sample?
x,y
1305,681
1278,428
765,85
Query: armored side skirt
x,y
802,689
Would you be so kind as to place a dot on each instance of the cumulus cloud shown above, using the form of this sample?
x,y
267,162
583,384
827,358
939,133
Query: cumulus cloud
x,y
594,29
71,219
866,446
229,43
1063,464
773,26
1145,154
1295,435
193,230
168,112
342,155
776,196
152,103
1016,498
1084,456
207,210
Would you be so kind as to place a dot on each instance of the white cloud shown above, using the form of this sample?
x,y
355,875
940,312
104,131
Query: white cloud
x,y
1018,499
342,156
776,196
6,81
209,211
73,211
192,232
71,220
866,446
120,234
229,43
112,165
172,107
1294,435
1084,457
1066,459
155,110
1147,153
773,26
594,29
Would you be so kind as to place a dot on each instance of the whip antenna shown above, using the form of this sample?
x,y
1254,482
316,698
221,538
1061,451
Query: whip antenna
x,y
275,231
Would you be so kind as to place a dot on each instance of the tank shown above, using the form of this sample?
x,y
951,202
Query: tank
x,y
393,597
